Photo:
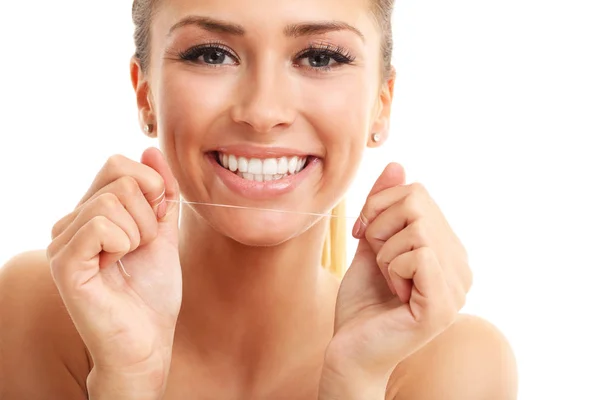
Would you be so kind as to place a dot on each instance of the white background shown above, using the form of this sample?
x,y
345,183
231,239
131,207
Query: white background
x,y
497,112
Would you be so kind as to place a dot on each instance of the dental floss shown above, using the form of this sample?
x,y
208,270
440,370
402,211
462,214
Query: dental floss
x,y
261,209
122,267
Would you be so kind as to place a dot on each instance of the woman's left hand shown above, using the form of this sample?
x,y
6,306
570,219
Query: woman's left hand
x,y
406,284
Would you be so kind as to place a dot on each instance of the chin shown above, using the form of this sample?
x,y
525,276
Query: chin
x,y
264,228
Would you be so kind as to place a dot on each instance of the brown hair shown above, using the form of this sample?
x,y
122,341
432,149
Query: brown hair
x,y
334,248
143,11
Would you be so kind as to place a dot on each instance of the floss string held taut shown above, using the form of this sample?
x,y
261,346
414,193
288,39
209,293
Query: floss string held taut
x,y
122,267
262,209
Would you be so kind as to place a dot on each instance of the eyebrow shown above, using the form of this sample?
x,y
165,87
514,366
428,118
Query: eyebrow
x,y
316,28
293,30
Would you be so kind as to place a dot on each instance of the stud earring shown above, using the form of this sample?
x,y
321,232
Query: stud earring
x,y
376,137
148,129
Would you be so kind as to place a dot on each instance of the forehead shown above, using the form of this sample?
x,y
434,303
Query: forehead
x,y
267,16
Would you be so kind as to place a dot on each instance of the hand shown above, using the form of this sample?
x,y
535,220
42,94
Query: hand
x,y
406,284
126,319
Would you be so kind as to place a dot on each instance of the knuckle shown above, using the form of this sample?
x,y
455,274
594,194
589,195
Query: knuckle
x,y
56,230
413,202
100,225
424,255
108,202
51,250
371,209
114,162
382,260
419,234
371,236
60,226
418,188
129,186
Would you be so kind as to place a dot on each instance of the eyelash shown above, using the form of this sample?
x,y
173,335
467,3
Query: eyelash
x,y
337,53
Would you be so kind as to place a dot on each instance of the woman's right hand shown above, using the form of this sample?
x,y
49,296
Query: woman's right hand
x,y
126,319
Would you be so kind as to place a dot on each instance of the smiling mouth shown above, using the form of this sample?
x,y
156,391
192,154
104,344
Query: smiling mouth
x,y
262,169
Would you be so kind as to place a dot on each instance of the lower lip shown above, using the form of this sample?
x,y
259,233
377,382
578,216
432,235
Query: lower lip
x,y
262,190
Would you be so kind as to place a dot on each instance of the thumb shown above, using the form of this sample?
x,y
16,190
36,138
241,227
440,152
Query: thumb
x,y
393,175
155,159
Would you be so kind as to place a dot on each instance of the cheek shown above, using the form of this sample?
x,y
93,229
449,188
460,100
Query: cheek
x,y
340,112
342,102
189,102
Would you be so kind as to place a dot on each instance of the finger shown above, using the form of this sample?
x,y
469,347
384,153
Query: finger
x,y
150,181
169,213
364,256
387,249
109,207
127,191
78,263
393,175
415,197
430,302
394,219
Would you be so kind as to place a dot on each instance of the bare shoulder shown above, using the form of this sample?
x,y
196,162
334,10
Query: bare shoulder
x,y
41,353
471,360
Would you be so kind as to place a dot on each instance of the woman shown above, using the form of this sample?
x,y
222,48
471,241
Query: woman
x,y
263,107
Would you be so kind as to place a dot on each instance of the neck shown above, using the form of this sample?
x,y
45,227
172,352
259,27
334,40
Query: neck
x,y
254,306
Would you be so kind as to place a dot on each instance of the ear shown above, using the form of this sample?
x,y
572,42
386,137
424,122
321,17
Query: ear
x,y
141,87
381,122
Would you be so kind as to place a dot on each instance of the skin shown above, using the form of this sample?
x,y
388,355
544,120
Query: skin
x,y
224,306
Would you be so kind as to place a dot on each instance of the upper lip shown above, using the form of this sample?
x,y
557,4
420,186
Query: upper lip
x,y
262,152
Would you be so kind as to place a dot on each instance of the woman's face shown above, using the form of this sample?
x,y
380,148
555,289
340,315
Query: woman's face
x,y
265,104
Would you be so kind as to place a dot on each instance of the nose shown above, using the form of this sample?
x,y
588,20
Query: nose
x,y
264,100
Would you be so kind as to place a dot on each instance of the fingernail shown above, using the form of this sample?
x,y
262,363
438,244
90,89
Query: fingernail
x,y
158,199
359,228
356,228
161,209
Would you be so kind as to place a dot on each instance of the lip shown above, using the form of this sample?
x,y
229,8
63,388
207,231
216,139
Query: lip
x,y
262,190
262,152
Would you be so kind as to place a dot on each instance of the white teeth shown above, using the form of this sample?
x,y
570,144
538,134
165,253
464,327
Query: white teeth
x,y
301,164
242,165
262,170
255,166
292,165
233,164
269,166
224,160
282,166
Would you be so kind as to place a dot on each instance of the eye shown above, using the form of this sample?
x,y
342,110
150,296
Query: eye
x,y
212,54
215,56
318,60
324,57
